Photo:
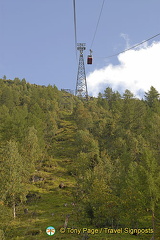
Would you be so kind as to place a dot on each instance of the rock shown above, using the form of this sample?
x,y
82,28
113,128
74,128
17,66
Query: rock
x,y
33,232
61,185
32,197
36,179
26,210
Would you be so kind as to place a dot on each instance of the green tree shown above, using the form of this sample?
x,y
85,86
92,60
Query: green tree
x,y
132,197
128,112
108,93
139,118
82,117
150,173
94,195
39,125
17,123
12,175
128,94
31,151
88,146
7,97
5,121
17,81
152,97
113,99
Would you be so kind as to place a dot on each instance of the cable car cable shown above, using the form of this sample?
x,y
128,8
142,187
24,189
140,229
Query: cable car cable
x,y
97,24
75,27
114,55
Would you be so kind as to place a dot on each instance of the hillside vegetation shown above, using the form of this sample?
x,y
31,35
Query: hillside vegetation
x,y
71,163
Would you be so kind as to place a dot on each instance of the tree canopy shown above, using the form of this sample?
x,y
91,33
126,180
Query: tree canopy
x,y
109,145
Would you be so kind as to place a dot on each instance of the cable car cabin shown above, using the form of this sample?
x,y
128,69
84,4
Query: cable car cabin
x,y
89,59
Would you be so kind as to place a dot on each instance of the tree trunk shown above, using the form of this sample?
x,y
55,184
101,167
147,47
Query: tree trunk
x,y
153,225
66,221
14,210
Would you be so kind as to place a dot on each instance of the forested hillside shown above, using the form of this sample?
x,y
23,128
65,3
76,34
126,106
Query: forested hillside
x,y
69,162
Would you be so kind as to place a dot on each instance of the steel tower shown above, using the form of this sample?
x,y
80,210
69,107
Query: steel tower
x,y
81,86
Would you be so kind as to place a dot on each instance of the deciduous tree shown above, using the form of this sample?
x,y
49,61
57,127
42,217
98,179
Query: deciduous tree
x,y
12,175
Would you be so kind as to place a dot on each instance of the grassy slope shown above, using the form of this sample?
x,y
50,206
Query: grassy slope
x,y
50,209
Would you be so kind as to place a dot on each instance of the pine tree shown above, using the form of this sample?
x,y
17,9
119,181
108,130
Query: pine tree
x,y
152,97
150,172
128,94
82,117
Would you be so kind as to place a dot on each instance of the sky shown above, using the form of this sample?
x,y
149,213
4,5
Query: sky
x,y
37,43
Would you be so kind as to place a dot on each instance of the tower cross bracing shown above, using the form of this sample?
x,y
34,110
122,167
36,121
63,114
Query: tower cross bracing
x,y
81,86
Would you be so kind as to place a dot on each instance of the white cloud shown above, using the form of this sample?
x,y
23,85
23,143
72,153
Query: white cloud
x,y
126,38
138,70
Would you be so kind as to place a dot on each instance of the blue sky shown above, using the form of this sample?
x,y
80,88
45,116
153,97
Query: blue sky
x,y
37,42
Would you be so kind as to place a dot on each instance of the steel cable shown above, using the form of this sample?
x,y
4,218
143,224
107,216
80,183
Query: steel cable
x,y
114,55
97,24
75,27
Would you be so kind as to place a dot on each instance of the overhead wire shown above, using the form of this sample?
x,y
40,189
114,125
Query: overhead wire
x,y
110,56
97,24
75,27
114,55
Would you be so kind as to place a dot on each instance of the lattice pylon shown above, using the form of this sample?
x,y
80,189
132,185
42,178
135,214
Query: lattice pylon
x,y
81,86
